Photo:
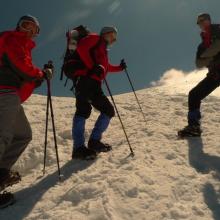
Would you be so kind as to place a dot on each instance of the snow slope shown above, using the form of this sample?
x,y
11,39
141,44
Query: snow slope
x,y
167,179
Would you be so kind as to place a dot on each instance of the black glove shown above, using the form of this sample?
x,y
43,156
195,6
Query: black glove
x,y
98,70
123,64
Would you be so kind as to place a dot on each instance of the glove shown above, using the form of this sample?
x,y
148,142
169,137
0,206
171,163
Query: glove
x,y
48,73
123,64
98,70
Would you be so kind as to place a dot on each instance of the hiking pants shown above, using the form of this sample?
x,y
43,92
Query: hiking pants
x,y
198,93
89,93
15,130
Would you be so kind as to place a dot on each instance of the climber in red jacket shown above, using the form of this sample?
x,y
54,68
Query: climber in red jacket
x,y
93,52
18,79
17,72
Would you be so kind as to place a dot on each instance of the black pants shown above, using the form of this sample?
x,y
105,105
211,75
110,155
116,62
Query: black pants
x,y
198,93
202,90
89,93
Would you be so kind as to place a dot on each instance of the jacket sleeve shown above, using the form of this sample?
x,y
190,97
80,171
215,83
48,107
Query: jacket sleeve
x,y
20,61
212,51
83,50
114,68
26,90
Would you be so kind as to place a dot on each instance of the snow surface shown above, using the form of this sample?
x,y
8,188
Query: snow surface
x,y
167,179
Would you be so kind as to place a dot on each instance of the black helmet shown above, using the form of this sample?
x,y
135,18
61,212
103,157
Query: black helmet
x,y
29,18
203,17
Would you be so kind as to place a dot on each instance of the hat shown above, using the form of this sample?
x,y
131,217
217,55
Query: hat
x,y
108,29
29,18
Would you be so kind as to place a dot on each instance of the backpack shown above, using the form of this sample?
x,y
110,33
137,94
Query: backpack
x,y
72,61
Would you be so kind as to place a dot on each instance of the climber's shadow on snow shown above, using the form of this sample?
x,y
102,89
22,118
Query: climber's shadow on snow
x,y
212,198
28,197
201,161
204,163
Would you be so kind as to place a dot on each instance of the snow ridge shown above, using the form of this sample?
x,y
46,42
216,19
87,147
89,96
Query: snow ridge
x,y
167,179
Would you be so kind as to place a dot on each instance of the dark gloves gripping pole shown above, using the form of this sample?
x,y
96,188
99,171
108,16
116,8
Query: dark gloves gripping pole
x,y
48,71
97,70
123,64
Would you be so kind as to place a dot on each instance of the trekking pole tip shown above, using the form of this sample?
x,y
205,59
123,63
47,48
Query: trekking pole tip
x,y
132,154
60,177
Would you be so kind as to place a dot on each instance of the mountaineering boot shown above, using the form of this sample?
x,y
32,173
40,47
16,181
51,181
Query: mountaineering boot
x,y
190,131
98,146
8,178
84,153
6,199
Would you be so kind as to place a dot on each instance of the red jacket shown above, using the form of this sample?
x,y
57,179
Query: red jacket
x,y
93,51
16,68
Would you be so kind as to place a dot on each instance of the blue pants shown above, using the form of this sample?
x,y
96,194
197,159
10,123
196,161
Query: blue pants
x,y
78,130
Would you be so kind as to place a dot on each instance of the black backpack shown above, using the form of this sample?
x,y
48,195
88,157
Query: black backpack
x,y
72,61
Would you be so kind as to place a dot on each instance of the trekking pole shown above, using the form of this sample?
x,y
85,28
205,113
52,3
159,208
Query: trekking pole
x,y
50,105
129,79
54,129
46,131
122,125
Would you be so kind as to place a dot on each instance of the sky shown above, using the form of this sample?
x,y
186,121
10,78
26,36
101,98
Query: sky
x,y
154,35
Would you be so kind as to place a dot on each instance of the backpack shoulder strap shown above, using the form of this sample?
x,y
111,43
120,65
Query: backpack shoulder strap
x,y
92,49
